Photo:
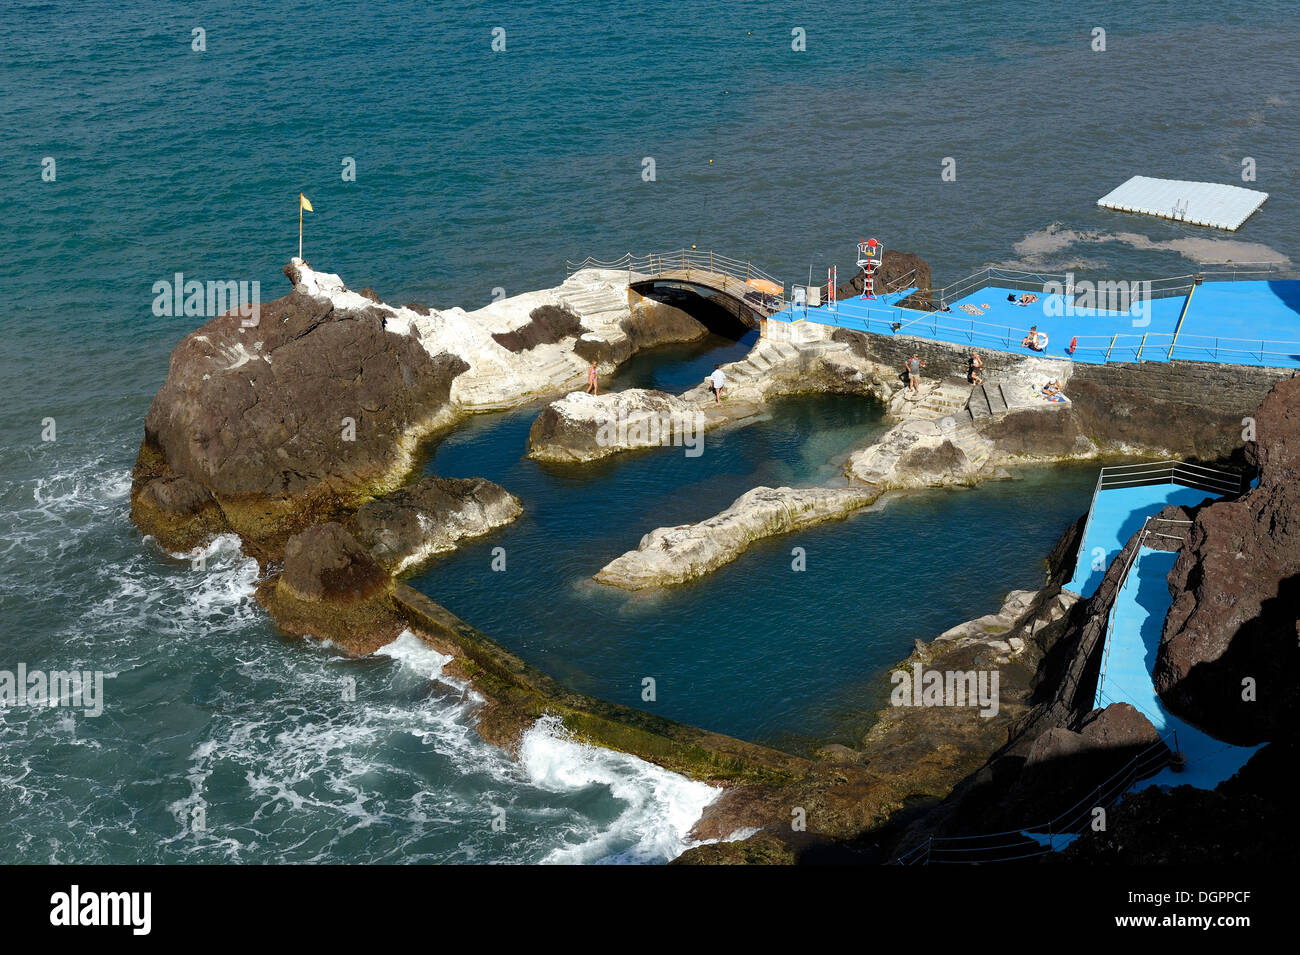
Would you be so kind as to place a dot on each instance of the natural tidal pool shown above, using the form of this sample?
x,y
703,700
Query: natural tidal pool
x,y
756,649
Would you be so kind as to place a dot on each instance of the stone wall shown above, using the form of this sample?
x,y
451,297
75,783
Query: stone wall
x,y
942,360
1186,408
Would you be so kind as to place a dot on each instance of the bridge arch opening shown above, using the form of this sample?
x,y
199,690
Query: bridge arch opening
x,y
721,313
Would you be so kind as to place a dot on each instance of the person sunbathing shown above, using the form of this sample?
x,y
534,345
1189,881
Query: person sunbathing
x,y
1052,389
1035,340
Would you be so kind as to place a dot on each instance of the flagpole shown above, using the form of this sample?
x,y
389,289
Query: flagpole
x,y
300,227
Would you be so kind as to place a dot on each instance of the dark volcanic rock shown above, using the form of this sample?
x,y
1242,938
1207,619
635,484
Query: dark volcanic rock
x,y
897,271
185,510
331,587
1236,589
429,517
653,322
255,415
1113,735
1245,819
1045,431
1059,777
327,563
547,324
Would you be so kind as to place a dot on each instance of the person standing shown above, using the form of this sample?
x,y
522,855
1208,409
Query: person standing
x,y
592,387
716,381
914,366
976,365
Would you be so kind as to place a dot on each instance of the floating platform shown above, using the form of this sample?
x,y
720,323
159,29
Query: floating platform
x,y
1200,203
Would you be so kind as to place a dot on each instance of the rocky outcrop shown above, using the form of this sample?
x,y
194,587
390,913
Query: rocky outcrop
x,y
583,427
897,271
547,325
330,587
1182,409
674,555
179,511
320,404
1229,657
404,529
914,453
1245,820
1061,767
644,324
278,424
298,430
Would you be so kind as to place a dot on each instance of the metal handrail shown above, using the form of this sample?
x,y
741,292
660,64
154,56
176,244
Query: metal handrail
x,y
1159,288
1110,616
681,259
1104,794
987,333
1199,476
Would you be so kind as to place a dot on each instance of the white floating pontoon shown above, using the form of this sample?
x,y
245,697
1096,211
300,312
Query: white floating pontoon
x,y
1200,203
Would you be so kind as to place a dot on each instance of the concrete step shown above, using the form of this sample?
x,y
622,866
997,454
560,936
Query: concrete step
x,y
781,351
961,432
987,401
594,302
996,399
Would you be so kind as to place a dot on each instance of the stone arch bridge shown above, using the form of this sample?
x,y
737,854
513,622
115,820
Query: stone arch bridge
x,y
742,288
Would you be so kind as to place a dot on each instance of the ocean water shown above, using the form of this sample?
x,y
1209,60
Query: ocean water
x,y
476,170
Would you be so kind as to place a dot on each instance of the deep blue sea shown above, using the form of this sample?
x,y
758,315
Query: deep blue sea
x,y
127,156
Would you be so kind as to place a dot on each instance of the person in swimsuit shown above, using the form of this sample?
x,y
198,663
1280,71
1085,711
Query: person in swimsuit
x,y
976,364
592,387
1035,340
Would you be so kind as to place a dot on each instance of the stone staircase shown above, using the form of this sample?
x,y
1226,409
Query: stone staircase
x,y
960,430
987,401
761,358
561,369
596,305
937,400
946,403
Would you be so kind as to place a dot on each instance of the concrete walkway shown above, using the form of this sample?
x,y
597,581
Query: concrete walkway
x,y
1130,656
1117,514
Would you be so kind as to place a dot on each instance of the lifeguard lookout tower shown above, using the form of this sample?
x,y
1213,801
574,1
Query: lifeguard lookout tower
x,y
870,253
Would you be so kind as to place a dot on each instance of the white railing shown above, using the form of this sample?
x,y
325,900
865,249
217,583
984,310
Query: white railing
x,y
1101,348
1107,348
654,263
1213,480
682,266
1005,278
1199,476
1026,281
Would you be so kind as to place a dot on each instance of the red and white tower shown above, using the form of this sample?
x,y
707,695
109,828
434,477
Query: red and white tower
x,y
870,253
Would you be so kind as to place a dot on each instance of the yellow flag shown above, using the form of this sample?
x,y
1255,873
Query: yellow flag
x,y
303,203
